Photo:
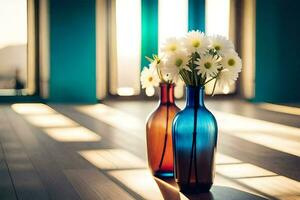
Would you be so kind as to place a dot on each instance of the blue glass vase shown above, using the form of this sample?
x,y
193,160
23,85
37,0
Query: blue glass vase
x,y
195,135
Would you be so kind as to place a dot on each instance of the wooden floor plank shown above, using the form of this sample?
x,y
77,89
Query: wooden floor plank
x,y
63,170
56,183
7,190
93,185
110,135
1,151
25,179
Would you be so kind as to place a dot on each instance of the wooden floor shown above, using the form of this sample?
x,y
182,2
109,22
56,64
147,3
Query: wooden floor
x,y
97,151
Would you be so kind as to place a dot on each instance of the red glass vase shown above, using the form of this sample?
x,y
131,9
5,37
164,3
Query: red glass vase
x,y
159,134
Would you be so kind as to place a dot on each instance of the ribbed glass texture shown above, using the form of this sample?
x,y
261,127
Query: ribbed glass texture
x,y
195,139
159,134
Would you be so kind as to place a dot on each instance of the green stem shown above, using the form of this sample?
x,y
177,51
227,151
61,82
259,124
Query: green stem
x,y
210,80
196,78
159,74
194,70
213,92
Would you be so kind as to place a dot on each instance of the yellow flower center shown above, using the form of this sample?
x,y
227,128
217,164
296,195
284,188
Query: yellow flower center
x,y
231,62
207,65
217,47
178,62
196,43
172,47
150,78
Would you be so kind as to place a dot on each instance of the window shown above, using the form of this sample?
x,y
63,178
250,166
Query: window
x,y
125,47
16,47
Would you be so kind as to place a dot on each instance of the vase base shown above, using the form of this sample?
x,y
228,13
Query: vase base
x,y
194,188
161,174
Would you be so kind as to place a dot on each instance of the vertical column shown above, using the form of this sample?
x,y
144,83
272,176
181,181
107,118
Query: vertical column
x,y
72,51
248,48
149,29
101,48
44,48
197,15
277,65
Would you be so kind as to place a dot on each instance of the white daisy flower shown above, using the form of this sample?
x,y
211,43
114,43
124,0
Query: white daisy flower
x,y
179,60
232,61
195,41
171,45
226,78
221,44
149,77
207,66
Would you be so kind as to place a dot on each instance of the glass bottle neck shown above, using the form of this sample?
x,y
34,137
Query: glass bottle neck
x,y
166,93
194,96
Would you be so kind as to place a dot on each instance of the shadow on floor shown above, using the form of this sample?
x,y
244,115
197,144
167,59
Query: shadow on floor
x,y
170,192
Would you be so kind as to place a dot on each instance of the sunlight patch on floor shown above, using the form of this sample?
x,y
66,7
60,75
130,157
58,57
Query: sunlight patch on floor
x,y
260,179
280,108
224,159
278,186
242,170
50,120
32,108
110,159
272,135
140,181
56,125
113,117
235,123
72,134
273,142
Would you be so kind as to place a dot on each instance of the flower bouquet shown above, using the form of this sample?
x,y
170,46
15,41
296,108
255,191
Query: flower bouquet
x,y
197,59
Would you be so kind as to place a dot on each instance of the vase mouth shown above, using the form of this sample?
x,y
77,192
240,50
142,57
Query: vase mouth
x,y
166,84
193,86
195,96
167,93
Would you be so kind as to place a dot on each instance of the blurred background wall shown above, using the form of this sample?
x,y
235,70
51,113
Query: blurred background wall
x,y
88,50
